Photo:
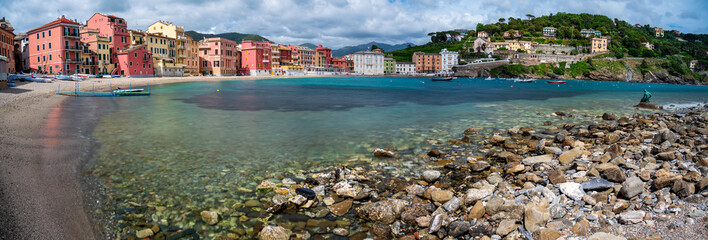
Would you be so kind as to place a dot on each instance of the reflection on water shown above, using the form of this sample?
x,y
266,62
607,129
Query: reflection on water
x,y
189,148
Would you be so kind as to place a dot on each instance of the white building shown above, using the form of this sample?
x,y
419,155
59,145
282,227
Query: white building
x,y
405,68
448,60
368,63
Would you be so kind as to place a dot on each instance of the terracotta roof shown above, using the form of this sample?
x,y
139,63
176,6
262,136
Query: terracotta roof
x,y
55,22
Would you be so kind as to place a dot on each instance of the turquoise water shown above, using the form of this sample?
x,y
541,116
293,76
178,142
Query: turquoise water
x,y
198,146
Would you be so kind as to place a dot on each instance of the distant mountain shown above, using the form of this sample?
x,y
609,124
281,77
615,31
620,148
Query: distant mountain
x,y
309,45
234,36
352,49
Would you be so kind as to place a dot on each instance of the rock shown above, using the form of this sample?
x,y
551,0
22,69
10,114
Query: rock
x,y
620,206
472,131
479,166
474,194
570,156
664,178
506,226
298,200
477,211
382,231
546,234
496,139
604,236
431,175
582,227
306,192
452,205
385,211
458,228
437,222
342,207
596,184
537,159
609,116
144,233
612,138
434,153
632,187
516,168
697,213
415,189
341,232
265,185
556,176
423,221
210,217
611,172
666,156
344,189
441,196
411,214
536,215
615,151
683,189
274,233
631,217
383,153
252,203
572,190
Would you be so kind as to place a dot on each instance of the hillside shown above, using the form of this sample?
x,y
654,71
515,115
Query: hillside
x,y
309,45
234,36
366,46
406,54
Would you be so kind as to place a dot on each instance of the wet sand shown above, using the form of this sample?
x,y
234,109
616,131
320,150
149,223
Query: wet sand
x,y
41,194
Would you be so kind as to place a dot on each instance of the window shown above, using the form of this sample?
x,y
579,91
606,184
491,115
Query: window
x,y
42,46
42,34
37,35
38,60
131,63
135,54
50,57
37,47
50,33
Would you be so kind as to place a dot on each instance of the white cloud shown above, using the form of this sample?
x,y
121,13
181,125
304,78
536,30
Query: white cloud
x,y
337,23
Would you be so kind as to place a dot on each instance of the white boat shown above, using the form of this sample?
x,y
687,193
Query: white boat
x,y
129,90
524,80
489,78
63,77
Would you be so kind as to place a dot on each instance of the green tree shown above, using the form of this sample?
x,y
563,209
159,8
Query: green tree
x,y
375,47
502,20
531,17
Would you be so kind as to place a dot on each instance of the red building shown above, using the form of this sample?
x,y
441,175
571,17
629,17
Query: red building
x,y
7,49
327,53
345,64
135,61
255,57
115,28
55,47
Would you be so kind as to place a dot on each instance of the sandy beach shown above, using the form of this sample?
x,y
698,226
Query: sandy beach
x,y
40,190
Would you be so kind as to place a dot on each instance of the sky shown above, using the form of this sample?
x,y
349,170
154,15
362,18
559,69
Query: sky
x,y
339,23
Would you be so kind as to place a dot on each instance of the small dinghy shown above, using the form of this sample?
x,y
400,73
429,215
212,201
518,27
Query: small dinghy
x,y
441,79
555,81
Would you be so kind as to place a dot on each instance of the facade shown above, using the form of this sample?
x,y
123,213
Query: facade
x,y
89,62
305,56
692,65
21,52
255,58
427,62
163,51
7,47
115,28
389,66
549,31
327,53
659,32
405,68
54,47
135,61
219,56
449,59
346,65
648,45
479,45
320,60
170,30
368,63
590,33
99,45
599,45
482,34
192,53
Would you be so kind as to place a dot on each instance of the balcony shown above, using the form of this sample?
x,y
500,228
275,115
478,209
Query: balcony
x,y
69,60
276,51
182,47
276,56
266,61
89,63
181,56
69,34
181,38
73,48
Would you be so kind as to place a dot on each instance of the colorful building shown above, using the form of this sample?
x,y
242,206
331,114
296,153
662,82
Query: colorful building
x,y
482,34
389,66
346,65
192,60
175,32
368,63
219,56
405,68
549,31
54,47
163,52
599,45
327,53
590,33
659,32
255,58
450,59
305,56
115,28
7,48
99,45
427,62
135,61
21,58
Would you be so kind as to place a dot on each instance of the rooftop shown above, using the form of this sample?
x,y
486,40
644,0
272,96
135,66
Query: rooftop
x,y
61,20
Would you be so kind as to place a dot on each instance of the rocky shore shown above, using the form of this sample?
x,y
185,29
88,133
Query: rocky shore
x,y
638,177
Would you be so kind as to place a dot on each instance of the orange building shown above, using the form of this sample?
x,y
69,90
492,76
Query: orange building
x,y
427,62
7,49
54,47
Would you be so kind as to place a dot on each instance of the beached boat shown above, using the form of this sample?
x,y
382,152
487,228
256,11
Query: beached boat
x,y
63,77
524,80
129,90
555,81
441,79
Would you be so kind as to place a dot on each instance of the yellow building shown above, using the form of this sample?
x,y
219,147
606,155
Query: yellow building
x,y
599,45
320,59
292,68
170,30
99,45
163,52
192,53
659,32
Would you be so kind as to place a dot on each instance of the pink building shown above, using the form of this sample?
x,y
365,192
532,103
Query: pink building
x,y
255,57
327,54
115,28
219,56
135,61
55,47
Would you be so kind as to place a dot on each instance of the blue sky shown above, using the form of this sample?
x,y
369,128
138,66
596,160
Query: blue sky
x,y
337,23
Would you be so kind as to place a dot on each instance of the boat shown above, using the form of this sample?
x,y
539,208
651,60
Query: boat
x,y
489,78
555,81
441,79
128,90
63,77
524,80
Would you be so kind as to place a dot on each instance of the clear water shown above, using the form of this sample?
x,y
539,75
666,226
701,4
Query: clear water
x,y
198,146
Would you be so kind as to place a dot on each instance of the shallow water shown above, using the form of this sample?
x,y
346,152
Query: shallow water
x,y
197,146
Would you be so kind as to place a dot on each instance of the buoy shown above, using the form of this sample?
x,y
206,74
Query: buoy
x,y
217,90
458,84
512,86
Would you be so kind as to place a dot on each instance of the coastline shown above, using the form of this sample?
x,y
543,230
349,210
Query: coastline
x,y
42,192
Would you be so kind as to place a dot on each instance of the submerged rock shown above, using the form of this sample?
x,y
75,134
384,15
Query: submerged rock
x,y
431,175
383,153
385,211
210,217
274,233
